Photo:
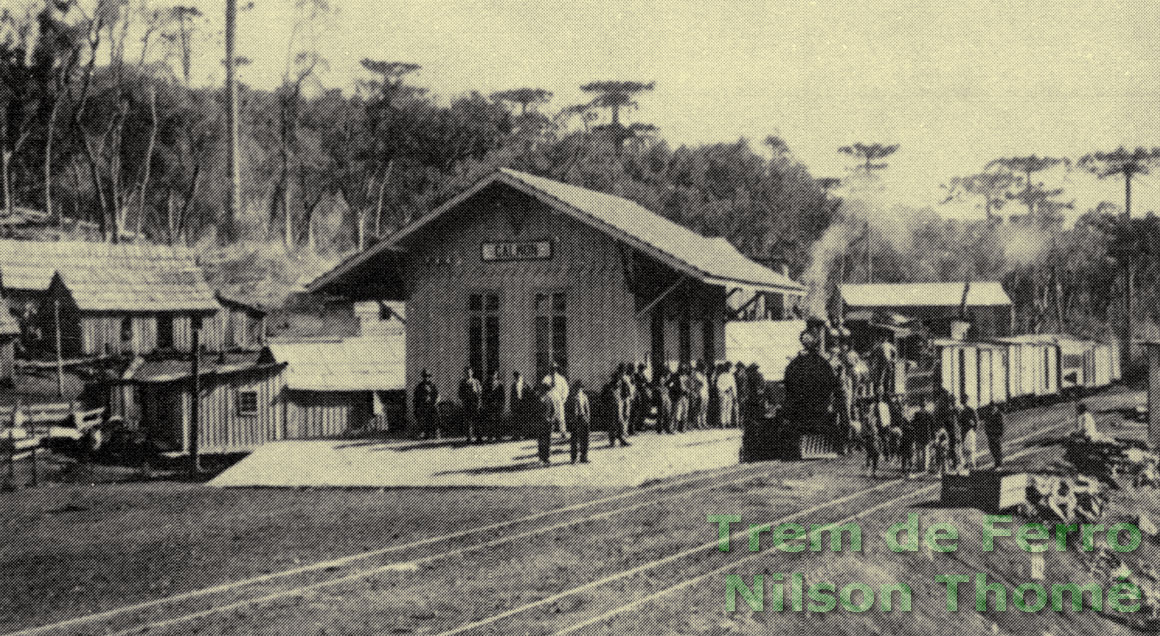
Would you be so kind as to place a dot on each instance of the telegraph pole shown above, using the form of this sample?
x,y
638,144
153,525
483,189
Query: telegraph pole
x,y
195,404
234,192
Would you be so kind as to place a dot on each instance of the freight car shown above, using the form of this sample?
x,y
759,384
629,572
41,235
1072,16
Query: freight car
x,y
1017,372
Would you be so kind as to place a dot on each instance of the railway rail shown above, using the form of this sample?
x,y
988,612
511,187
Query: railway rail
x,y
169,613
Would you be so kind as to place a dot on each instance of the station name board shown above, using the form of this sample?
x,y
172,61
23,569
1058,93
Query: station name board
x,y
518,251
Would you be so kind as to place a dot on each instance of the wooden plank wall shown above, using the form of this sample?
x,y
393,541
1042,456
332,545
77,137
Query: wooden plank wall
x,y
444,265
311,415
222,429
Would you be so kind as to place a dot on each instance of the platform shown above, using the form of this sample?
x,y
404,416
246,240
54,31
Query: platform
x,y
395,464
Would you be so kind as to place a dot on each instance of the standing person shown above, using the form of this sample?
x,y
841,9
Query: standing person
x,y
558,390
426,397
968,428
679,391
664,399
741,393
993,426
726,395
639,401
883,360
946,417
871,444
906,441
621,407
699,382
494,398
579,418
471,397
885,436
923,436
756,393
546,420
521,407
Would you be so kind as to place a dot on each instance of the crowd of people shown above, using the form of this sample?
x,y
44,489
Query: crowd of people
x,y
694,396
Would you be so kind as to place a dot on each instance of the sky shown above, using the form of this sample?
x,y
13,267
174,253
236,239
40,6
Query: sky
x,y
956,84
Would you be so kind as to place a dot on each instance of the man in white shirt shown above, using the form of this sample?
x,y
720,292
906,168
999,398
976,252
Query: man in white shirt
x,y
558,392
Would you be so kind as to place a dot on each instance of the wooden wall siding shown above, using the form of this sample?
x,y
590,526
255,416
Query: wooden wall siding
x,y
222,429
212,337
311,415
602,323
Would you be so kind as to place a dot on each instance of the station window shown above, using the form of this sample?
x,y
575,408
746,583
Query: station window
x,y
551,332
483,332
247,402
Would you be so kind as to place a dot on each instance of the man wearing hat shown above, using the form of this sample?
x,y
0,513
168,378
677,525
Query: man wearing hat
x,y
426,397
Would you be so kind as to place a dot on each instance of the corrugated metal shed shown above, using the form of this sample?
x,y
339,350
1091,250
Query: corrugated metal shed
x,y
981,294
354,364
713,260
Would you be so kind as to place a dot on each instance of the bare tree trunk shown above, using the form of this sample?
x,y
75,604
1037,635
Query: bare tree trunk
x,y
53,215
379,203
144,189
6,177
233,199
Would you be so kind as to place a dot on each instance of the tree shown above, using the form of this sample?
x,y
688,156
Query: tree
x,y
872,158
871,155
991,187
615,96
389,124
1025,168
1127,164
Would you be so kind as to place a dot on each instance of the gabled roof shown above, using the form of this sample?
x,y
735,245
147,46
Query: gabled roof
x,y
109,277
354,364
981,294
712,260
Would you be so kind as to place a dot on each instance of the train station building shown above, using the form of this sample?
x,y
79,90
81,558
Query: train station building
x,y
519,272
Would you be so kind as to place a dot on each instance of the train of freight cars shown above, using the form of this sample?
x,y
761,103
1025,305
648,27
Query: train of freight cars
x,y
1015,372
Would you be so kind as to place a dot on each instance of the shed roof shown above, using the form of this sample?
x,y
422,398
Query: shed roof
x,y
981,294
712,260
354,364
109,277
148,370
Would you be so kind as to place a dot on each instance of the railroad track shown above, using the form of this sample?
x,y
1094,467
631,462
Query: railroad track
x,y
184,609
345,569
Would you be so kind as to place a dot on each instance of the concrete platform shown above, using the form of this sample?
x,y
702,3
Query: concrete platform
x,y
367,463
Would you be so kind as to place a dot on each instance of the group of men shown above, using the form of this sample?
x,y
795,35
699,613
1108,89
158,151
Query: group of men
x,y
694,396
939,436
864,410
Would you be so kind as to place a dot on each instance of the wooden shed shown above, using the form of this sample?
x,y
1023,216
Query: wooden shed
x,y
108,299
349,385
240,407
285,391
985,304
520,272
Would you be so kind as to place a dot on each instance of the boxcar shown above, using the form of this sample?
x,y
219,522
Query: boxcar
x,y
976,370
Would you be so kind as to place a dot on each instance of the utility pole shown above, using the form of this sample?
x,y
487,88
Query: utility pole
x,y
234,196
195,405
59,352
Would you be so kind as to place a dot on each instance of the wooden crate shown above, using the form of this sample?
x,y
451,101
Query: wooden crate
x,y
991,491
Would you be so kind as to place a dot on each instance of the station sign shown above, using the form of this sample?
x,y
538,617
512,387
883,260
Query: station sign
x,y
518,251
